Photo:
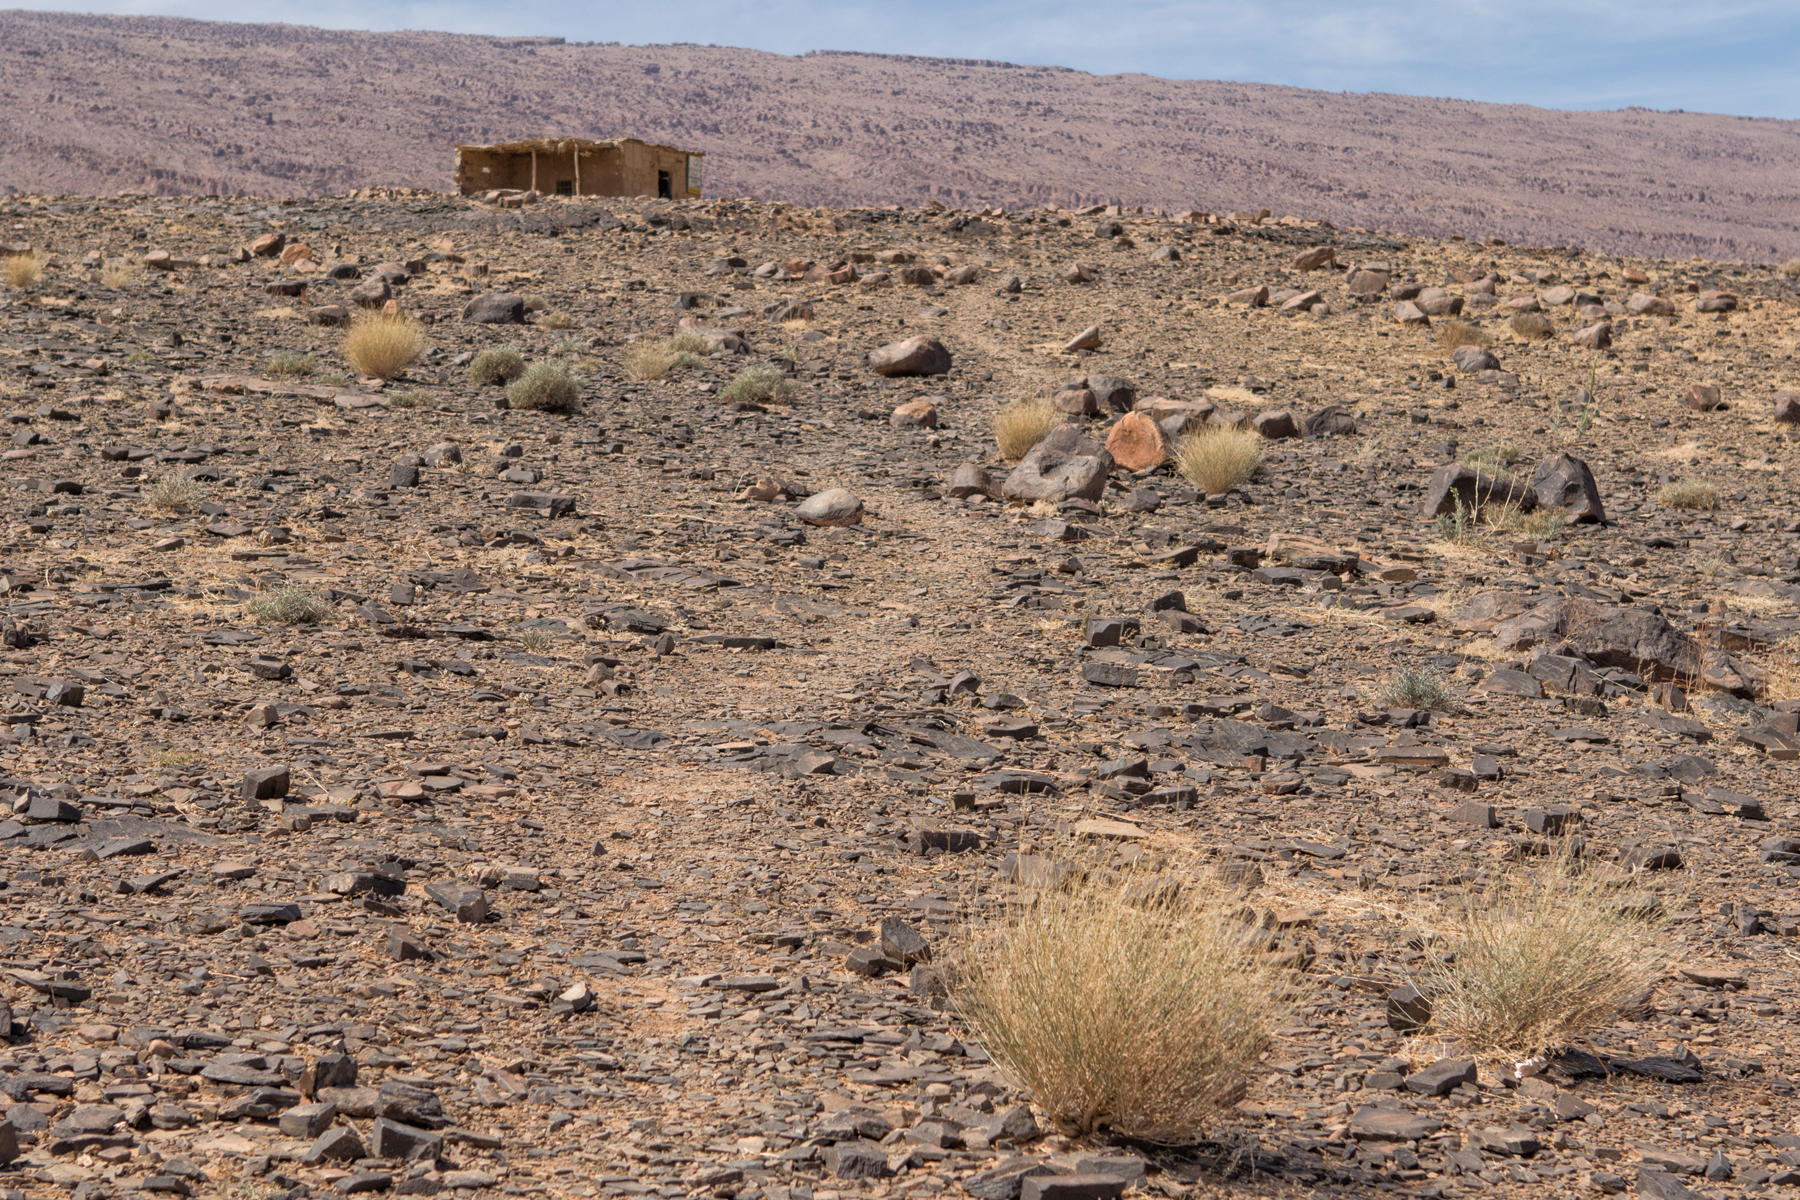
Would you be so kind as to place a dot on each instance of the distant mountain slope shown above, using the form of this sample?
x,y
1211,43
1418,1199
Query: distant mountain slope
x,y
107,104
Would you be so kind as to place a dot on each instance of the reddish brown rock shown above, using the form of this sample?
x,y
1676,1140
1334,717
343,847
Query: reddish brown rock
x,y
1136,442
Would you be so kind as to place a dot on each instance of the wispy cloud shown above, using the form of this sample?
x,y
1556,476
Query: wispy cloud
x,y
1722,55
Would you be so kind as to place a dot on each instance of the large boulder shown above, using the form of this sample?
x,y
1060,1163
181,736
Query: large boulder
x,y
495,308
1136,442
1050,474
833,506
1471,359
1563,481
922,355
1630,639
1454,483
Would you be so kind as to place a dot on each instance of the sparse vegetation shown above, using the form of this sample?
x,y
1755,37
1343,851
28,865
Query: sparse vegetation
x,y
1533,327
1689,493
289,604
118,273
545,387
1457,527
22,270
1410,688
291,364
1545,957
1217,458
496,365
382,344
408,398
173,493
557,320
1023,424
760,384
1454,333
1125,1002
1791,268
655,359
534,641
1493,460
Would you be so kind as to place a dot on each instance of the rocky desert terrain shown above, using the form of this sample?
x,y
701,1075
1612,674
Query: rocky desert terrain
x,y
411,792
98,105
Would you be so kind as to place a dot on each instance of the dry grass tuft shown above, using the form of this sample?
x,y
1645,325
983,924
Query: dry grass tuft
x,y
496,365
1454,333
545,387
1123,1001
758,385
173,493
1533,327
1541,960
1217,458
288,605
118,273
291,364
22,270
654,360
1791,268
1409,688
1689,493
557,320
382,344
1023,424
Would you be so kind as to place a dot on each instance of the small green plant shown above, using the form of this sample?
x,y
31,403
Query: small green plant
x,y
1689,493
545,387
291,364
655,359
1588,407
408,398
289,604
173,493
496,365
1409,688
140,358
1218,458
760,384
535,641
332,379
1457,526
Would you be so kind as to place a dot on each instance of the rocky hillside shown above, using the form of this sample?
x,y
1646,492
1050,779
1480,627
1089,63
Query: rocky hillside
x,y
423,786
99,105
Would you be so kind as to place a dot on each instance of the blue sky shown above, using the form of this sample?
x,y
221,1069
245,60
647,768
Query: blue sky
x,y
1734,56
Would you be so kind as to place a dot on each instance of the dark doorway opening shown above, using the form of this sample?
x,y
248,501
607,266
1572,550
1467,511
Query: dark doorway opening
x,y
565,187
662,185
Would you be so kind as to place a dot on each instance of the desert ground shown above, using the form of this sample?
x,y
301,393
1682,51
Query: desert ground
x,y
415,792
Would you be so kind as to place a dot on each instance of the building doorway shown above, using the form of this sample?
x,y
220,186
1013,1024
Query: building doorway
x,y
662,186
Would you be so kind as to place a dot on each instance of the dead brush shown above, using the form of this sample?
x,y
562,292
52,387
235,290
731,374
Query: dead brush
x,y
22,270
1689,493
382,344
1218,458
173,493
1124,1000
545,387
1454,333
1532,327
651,360
496,365
289,604
760,384
1411,688
118,273
1023,424
1546,956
